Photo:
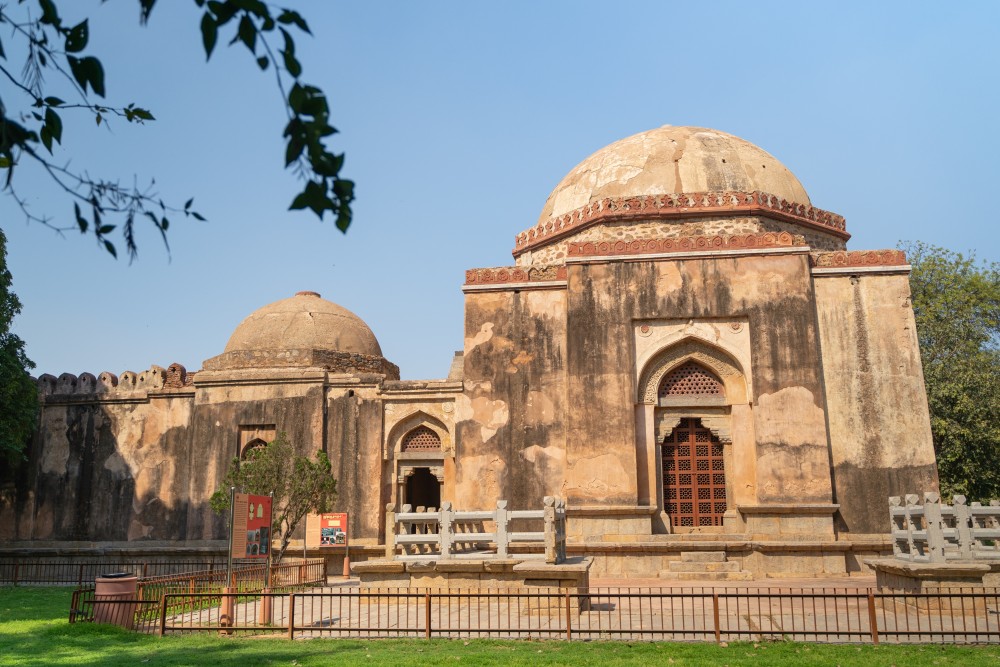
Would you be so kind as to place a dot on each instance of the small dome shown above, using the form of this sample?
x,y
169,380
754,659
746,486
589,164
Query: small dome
x,y
304,322
671,159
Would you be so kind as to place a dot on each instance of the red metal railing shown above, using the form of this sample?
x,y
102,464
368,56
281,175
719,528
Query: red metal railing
x,y
953,615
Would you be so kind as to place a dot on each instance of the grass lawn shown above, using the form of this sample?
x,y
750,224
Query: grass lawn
x,y
34,631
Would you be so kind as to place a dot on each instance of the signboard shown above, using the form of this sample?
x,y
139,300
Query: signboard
x,y
251,526
327,530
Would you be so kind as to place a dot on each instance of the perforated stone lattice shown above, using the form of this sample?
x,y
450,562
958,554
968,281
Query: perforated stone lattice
x,y
694,478
421,439
690,379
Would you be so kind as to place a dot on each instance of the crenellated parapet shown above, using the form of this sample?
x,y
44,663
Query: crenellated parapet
x,y
108,384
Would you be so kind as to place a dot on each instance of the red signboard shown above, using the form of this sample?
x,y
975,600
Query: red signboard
x,y
333,529
251,526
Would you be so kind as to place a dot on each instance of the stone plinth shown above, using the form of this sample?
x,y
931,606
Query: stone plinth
x,y
455,574
933,581
901,575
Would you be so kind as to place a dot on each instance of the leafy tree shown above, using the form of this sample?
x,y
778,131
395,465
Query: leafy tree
x,y
299,485
18,394
56,51
957,306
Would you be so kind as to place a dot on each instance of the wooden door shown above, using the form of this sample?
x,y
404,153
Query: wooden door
x,y
694,476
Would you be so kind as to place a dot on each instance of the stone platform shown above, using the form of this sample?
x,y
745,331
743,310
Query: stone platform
x,y
463,574
901,575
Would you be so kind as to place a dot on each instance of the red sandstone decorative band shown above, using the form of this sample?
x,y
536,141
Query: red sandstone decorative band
x,y
514,274
683,244
851,258
672,205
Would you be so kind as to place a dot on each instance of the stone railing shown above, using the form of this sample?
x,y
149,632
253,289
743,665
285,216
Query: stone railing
x,y
936,532
454,534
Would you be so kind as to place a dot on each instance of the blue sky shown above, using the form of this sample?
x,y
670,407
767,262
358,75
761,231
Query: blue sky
x,y
457,119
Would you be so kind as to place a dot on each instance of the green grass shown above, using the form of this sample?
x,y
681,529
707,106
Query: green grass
x,y
34,631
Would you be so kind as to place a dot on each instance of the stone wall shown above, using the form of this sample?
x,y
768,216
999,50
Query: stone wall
x,y
511,420
879,423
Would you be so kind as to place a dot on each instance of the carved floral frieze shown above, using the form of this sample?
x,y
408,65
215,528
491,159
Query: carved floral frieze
x,y
684,244
680,204
514,274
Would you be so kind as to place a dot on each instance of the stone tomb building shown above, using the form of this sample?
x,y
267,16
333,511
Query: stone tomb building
x,y
684,349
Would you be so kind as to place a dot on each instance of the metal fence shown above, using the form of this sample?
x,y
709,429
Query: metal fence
x,y
952,615
58,572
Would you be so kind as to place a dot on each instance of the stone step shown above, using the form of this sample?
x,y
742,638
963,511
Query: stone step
x,y
724,566
703,556
706,576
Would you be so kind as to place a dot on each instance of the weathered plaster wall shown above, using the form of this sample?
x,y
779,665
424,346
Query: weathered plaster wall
x,y
774,294
354,445
111,469
100,470
511,419
879,424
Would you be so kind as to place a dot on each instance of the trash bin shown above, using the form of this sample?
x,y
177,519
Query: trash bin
x,y
108,590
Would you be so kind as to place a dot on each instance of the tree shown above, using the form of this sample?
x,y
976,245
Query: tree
x,y
956,302
100,205
18,394
299,485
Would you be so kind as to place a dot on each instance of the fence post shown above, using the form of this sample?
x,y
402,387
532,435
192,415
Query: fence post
x,y
79,579
935,526
549,533
17,568
446,520
427,615
872,618
291,615
715,617
500,524
569,619
963,526
390,531
145,570
163,614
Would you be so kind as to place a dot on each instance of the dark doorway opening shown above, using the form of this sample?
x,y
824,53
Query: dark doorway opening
x,y
423,489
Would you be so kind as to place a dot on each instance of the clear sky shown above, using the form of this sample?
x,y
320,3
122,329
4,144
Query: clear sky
x,y
457,119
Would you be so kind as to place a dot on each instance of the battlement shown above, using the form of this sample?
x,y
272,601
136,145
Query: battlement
x,y
174,376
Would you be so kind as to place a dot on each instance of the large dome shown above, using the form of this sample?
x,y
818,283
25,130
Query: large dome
x,y
677,174
673,159
304,322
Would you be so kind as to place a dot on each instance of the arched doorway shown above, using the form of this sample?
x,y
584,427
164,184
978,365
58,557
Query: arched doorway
x,y
695,386
422,489
694,477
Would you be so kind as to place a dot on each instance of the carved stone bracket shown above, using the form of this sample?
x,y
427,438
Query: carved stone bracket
x,y
719,424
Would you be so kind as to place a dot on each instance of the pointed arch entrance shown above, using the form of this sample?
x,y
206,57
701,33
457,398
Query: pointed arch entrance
x,y
692,404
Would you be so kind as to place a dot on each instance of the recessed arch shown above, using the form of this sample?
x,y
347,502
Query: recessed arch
x,y
418,418
690,349
253,444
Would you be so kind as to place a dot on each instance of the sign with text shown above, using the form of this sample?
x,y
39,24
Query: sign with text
x,y
251,526
327,530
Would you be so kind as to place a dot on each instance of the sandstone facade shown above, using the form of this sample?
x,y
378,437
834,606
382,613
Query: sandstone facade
x,y
683,349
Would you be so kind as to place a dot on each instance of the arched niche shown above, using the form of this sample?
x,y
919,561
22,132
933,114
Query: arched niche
x,y
253,444
398,431
704,354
